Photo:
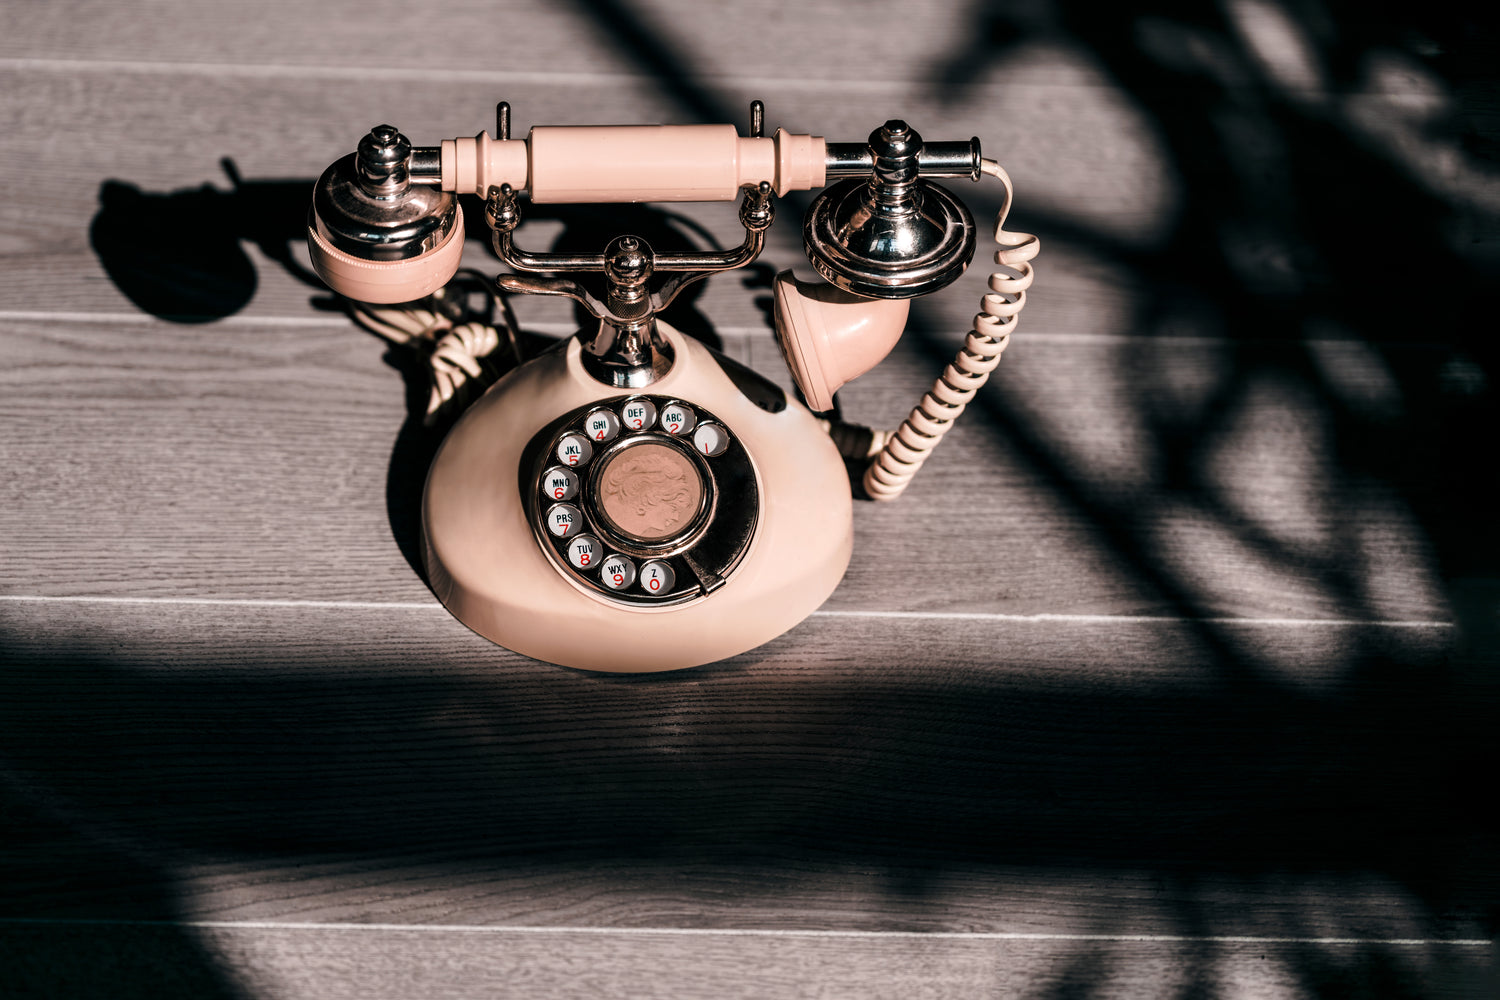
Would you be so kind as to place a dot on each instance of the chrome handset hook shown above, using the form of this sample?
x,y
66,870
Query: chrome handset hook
x,y
625,351
892,234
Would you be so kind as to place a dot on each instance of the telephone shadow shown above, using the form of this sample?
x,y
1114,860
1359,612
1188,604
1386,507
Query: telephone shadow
x,y
180,255
142,241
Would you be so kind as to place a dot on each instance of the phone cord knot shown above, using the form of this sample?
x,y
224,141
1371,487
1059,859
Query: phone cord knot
x,y
459,346
906,449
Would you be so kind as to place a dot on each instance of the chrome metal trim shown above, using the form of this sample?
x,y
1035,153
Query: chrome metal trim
x,y
947,158
895,235
709,558
388,225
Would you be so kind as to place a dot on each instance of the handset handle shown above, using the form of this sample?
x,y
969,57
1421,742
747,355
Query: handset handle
x,y
639,163
558,164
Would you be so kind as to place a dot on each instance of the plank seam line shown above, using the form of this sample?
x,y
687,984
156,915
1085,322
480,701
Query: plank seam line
x,y
567,329
740,932
321,72
909,615
438,75
44,316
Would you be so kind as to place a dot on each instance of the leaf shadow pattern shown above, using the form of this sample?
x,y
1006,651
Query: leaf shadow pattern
x,y
137,235
1300,222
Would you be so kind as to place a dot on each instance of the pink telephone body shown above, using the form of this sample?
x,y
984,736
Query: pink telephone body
x,y
630,500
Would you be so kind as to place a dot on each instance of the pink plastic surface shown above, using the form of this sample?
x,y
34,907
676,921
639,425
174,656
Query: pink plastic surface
x,y
829,336
633,163
385,282
487,567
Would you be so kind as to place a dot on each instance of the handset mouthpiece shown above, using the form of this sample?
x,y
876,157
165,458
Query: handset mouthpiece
x,y
374,235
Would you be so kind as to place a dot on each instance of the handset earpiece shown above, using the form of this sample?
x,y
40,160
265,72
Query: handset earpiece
x,y
377,235
829,336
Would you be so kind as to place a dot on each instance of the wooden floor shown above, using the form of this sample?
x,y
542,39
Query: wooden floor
x,y
1175,673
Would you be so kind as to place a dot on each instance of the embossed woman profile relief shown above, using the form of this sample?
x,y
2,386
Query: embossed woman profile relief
x,y
650,491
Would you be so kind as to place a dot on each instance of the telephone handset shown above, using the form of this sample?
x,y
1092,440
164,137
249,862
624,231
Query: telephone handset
x,y
632,501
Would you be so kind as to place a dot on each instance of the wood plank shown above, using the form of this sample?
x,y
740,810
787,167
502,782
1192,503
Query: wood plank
x,y
132,162
382,764
1405,585
673,38
272,462
1093,175
352,800
363,964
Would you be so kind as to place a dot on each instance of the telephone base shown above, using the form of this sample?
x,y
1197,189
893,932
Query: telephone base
x,y
492,565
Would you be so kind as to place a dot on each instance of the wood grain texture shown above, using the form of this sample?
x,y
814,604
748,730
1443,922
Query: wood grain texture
x,y
356,963
166,460
382,765
267,764
550,43
99,170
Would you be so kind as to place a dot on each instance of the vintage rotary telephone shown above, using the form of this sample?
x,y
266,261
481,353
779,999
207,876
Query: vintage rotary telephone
x,y
631,500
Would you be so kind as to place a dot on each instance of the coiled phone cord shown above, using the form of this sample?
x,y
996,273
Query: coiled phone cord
x,y
458,353
902,453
